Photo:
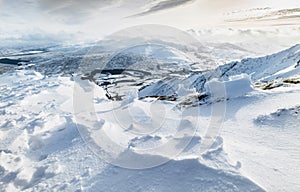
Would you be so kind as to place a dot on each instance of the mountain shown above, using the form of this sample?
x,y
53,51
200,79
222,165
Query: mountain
x,y
262,71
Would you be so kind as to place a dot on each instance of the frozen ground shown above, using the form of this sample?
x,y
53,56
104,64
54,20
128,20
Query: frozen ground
x,y
257,149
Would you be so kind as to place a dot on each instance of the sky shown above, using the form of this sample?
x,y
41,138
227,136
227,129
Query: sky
x,y
97,18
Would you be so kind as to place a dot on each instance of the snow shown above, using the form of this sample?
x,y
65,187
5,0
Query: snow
x,y
45,149
236,86
282,118
269,67
266,144
62,133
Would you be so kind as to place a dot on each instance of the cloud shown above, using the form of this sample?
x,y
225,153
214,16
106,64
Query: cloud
x,y
97,18
72,11
266,14
78,11
76,5
163,5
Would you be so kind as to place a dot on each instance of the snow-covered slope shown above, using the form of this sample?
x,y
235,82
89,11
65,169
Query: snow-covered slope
x,y
45,139
279,66
160,54
42,149
262,132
